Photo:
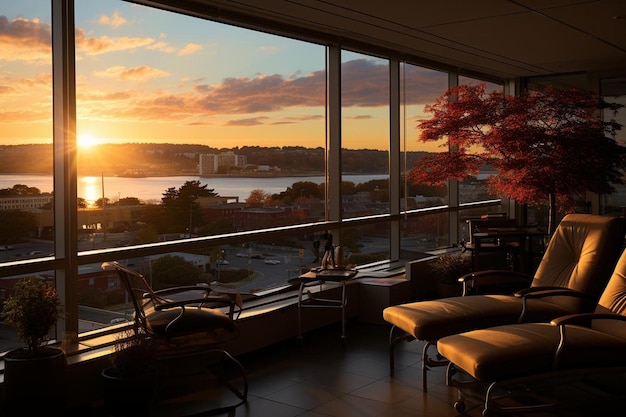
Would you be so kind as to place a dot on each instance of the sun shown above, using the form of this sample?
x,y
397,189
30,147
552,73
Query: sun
x,y
87,140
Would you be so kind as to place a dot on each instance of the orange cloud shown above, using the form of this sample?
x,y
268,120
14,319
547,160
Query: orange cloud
x,y
31,37
116,20
29,114
190,48
97,96
161,46
6,90
142,73
255,121
104,44
259,95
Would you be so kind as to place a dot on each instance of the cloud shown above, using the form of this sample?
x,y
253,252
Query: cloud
x,y
6,90
28,115
99,96
304,118
142,73
31,37
190,48
365,84
162,47
10,86
115,20
247,122
104,44
264,93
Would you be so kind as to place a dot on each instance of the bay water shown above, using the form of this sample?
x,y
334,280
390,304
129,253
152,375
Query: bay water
x,y
151,189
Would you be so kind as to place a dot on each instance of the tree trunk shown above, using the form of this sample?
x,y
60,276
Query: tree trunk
x,y
551,213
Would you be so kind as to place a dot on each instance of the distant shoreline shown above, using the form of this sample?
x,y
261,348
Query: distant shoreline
x,y
248,175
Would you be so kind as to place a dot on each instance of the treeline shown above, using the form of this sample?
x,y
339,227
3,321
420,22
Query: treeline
x,y
174,159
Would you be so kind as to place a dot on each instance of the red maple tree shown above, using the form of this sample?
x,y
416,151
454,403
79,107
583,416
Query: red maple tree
x,y
547,146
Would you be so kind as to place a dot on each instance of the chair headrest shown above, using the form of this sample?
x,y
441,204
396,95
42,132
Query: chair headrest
x,y
614,295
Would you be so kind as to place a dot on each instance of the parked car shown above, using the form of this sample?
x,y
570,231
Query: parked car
x,y
271,261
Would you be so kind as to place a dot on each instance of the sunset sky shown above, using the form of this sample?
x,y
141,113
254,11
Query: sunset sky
x,y
147,76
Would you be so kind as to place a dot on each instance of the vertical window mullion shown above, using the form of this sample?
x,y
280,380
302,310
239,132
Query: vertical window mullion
x,y
453,186
65,175
333,139
394,156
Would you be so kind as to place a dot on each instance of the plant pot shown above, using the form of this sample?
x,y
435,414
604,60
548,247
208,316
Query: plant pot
x,y
129,395
35,384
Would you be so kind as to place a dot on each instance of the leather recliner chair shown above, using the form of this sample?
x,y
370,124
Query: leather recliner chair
x,y
576,362
573,272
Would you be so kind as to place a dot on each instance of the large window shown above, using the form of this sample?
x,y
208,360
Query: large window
x,y
419,87
190,128
26,188
613,90
365,151
202,154
475,188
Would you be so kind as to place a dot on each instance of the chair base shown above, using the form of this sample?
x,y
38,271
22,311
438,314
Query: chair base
x,y
197,384
588,392
428,361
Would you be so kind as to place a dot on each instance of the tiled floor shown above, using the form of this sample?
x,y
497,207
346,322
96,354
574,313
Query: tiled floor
x,y
323,377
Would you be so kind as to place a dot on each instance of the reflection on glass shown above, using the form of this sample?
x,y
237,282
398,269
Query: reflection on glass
x,y
475,188
420,87
26,216
237,123
25,129
365,133
423,234
365,244
613,90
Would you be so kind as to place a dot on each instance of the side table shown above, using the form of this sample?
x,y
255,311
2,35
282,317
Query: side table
x,y
319,277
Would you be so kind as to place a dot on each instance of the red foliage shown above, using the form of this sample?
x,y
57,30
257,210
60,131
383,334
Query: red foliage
x,y
544,143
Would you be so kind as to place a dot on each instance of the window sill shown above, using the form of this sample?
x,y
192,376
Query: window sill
x,y
264,321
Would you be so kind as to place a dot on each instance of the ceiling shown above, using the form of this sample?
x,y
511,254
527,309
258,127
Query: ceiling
x,y
504,38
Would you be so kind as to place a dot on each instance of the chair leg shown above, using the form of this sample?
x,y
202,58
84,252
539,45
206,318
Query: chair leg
x,y
393,341
429,362
242,394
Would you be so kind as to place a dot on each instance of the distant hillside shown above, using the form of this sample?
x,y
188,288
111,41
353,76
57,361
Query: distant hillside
x,y
171,159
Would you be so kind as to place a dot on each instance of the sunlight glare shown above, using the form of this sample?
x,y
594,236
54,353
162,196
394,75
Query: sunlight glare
x,y
87,140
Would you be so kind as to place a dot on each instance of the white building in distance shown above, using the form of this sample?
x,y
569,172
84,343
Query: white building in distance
x,y
211,163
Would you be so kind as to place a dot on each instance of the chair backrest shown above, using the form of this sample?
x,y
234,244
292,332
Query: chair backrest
x,y
135,285
613,300
582,253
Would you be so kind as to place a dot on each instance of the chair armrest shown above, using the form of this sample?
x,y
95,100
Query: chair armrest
x,y
540,292
494,278
582,319
589,302
225,300
585,319
182,288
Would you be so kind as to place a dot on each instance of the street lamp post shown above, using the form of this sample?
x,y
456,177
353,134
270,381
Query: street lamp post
x,y
192,199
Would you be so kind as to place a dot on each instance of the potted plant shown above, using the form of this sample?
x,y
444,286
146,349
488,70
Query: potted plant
x,y
130,382
33,309
447,269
